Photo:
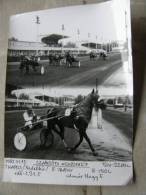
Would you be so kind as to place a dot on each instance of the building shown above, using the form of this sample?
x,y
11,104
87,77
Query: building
x,y
99,46
49,44
62,101
22,103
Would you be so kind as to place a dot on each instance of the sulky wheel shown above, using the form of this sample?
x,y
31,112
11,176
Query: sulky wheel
x,y
79,64
20,141
42,70
47,138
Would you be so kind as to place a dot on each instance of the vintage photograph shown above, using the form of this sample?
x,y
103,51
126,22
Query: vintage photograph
x,y
69,84
68,124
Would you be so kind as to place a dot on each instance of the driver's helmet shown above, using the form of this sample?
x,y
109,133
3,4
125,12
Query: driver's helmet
x,y
29,109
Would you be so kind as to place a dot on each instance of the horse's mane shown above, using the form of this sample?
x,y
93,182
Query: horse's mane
x,y
85,100
84,108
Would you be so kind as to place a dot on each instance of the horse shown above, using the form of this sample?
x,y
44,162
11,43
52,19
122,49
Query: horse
x,y
78,119
26,63
70,59
103,55
92,56
55,59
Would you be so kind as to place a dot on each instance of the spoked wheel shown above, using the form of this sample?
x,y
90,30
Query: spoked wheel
x,y
79,64
42,70
47,138
20,141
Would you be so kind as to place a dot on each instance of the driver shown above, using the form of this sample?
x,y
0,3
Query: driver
x,y
69,58
30,117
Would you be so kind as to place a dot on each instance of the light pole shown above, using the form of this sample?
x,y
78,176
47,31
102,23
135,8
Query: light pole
x,y
106,45
96,85
43,95
96,42
78,34
37,30
17,99
126,29
37,25
63,29
127,44
110,46
101,42
88,40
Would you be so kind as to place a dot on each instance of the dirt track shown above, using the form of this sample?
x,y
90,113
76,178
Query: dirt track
x,y
63,76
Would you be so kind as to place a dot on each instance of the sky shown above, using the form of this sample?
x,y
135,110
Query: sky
x,y
95,22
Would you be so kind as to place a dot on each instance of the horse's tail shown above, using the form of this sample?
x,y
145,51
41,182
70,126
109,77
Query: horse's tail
x,y
52,112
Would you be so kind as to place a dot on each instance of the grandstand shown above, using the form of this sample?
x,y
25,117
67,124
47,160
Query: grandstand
x,y
63,101
49,44
18,98
22,100
13,103
53,40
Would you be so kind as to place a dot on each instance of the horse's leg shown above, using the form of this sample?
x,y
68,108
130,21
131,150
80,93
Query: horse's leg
x,y
27,69
81,125
68,64
62,136
59,129
21,68
89,142
77,145
56,129
44,137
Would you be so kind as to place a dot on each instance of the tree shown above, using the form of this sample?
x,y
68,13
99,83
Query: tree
x,y
78,99
70,45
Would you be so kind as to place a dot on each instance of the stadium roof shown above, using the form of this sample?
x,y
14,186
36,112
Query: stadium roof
x,y
52,39
91,45
10,88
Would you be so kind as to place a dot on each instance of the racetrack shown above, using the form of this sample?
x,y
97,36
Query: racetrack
x,y
113,142
63,76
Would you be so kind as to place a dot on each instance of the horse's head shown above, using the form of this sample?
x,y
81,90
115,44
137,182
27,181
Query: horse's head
x,y
97,102
94,97
99,105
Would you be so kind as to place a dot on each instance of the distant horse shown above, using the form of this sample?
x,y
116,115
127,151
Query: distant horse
x,y
78,119
92,56
26,63
55,59
103,55
70,59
